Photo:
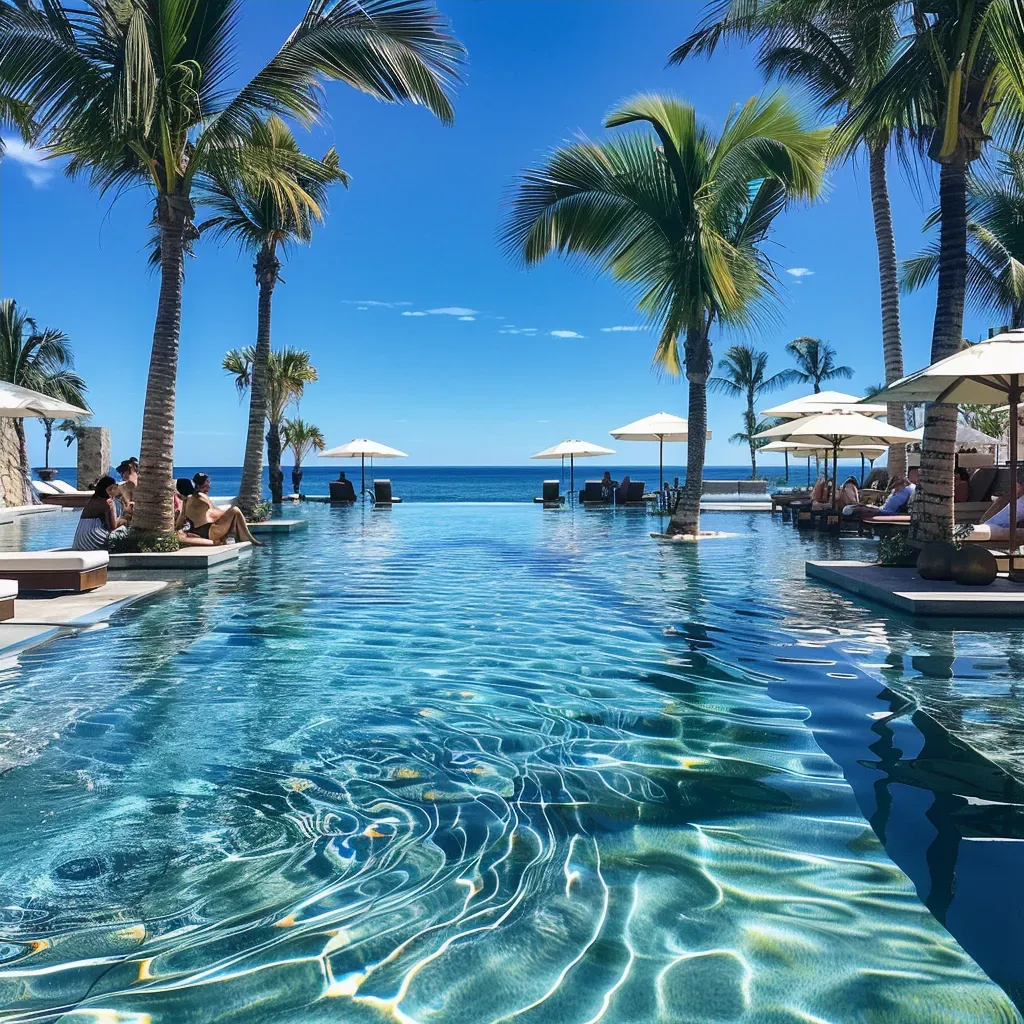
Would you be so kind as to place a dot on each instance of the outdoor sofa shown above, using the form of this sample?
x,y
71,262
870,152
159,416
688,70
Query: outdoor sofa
x,y
78,571
549,494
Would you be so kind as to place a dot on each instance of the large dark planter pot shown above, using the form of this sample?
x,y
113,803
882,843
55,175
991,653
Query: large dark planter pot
x,y
933,560
46,474
973,566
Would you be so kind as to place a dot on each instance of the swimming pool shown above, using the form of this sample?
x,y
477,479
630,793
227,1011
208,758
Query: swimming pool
x,y
492,762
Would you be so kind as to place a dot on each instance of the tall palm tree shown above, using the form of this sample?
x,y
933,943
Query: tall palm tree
x,y
288,373
995,231
38,359
957,82
253,215
816,362
743,372
303,439
837,50
678,216
138,92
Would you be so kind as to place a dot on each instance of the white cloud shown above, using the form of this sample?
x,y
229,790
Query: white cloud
x,y
606,330
459,311
799,272
529,331
362,307
363,303
37,170
469,318
409,312
566,334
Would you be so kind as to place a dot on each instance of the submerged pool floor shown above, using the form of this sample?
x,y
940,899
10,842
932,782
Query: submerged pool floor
x,y
494,763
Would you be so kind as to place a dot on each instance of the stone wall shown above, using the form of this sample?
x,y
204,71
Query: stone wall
x,y
12,481
93,456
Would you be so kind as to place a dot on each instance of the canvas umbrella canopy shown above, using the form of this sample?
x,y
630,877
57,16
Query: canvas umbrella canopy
x,y
660,427
800,451
966,435
836,429
363,448
823,401
23,403
989,373
574,450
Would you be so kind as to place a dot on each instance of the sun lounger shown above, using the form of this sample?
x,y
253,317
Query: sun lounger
x,y
8,592
634,495
59,493
342,491
55,570
593,494
549,494
382,493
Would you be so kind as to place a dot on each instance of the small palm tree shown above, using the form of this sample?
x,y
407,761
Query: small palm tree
x,y
146,92
288,373
38,359
816,362
995,269
743,372
264,223
303,439
679,216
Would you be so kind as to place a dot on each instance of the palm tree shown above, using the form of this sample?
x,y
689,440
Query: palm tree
x,y
303,439
38,359
839,51
995,231
816,362
288,373
137,92
743,371
679,217
253,215
957,82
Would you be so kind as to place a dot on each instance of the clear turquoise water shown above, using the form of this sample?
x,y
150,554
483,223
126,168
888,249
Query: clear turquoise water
x,y
485,763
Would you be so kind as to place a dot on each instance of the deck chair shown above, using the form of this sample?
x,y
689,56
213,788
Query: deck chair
x,y
635,494
382,494
342,491
549,494
592,494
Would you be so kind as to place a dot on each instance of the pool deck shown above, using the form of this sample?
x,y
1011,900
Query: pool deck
x,y
902,589
197,559
38,619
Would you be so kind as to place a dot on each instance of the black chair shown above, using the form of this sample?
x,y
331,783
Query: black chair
x,y
549,494
342,491
593,494
635,494
382,495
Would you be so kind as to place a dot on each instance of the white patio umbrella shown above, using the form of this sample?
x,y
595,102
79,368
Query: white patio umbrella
x,y
966,435
989,373
660,427
23,403
362,448
574,450
835,429
823,401
800,451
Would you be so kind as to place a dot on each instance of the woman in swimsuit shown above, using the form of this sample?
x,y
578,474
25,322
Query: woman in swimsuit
x,y
208,521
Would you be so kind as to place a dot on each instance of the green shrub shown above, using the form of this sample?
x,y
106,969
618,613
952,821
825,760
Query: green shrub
x,y
894,549
261,512
134,542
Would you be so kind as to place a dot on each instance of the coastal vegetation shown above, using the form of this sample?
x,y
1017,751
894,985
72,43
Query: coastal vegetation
x,y
136,93
816,362
302,439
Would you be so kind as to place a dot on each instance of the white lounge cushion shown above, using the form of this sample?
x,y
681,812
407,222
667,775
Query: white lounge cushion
x,y
52,561
8,589
63,487
41,487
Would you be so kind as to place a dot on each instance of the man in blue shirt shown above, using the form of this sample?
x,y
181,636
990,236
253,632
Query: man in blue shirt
x,y
896,504
996,520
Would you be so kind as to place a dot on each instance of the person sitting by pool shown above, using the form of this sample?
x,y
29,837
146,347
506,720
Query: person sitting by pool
x,y
183,489
897,503
208,521
100,524
128,471
608,486
848,493
821,496
995,523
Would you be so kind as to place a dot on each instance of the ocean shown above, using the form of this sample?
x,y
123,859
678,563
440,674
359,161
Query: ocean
x,y
480,483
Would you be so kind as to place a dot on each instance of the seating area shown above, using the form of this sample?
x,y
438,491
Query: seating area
x,y
550,494
60,493
77,571
382,496
593,494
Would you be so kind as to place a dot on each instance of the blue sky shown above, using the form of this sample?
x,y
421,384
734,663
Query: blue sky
x,y
414,318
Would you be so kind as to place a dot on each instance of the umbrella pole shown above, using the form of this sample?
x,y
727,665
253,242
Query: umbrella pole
x,y
835,475
785,456
862,469
1014,400
661,464
572,475
808,470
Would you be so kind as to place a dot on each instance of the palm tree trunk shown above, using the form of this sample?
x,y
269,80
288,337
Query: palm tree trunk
x,y
933,504
751,428
154,508
296,476
274,462
686,518
892,344
251,489
26,470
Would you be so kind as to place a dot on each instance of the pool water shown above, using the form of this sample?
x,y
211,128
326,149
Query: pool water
x,y
474,763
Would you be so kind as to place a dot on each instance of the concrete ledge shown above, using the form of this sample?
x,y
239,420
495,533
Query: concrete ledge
x,y
197,559
279,526
902,589
735,506
11,512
